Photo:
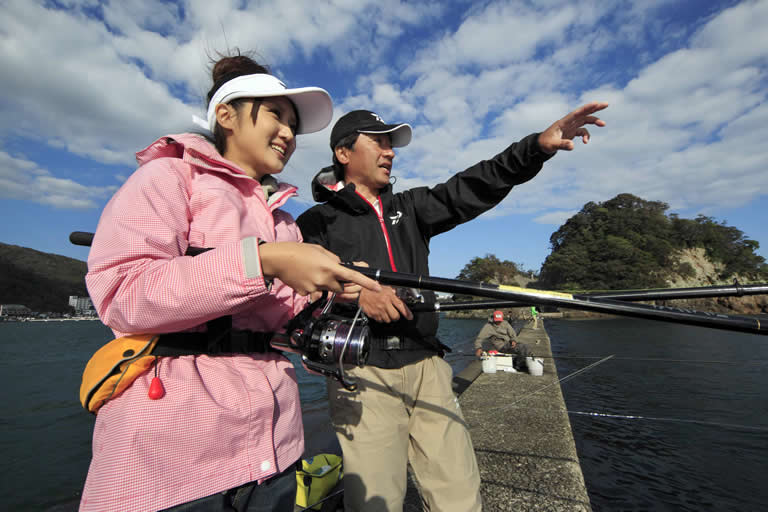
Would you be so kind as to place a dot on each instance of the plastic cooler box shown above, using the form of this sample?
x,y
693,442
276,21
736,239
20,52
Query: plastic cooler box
x,y
493,363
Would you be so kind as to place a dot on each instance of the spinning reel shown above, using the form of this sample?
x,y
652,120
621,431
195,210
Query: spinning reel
x,y
328,341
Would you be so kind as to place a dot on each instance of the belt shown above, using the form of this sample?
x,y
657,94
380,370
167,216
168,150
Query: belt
x,y
392,343
406,343
195,343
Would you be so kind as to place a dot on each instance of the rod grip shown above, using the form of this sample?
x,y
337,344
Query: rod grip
x,y
81,238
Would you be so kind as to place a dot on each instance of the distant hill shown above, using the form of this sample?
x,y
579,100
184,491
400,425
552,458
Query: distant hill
x,y
41,281
631,243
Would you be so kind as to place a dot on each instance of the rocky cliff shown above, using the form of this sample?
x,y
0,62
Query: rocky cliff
x,y
705,273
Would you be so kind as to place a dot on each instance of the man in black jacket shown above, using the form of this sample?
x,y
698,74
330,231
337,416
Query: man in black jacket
x,y
404,410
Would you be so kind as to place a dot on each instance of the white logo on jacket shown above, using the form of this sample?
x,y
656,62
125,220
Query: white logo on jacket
x,y
396,218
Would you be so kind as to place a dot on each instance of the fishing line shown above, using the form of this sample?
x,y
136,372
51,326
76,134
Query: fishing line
x,y
322,500
643,359
670,420
628,416
663,360
598,415
559,381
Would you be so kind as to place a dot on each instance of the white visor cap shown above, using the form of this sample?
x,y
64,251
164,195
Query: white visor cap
x,y
314,106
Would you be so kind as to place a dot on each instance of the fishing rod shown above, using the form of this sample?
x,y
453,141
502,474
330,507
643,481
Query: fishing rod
x,y
567,300
81,238
734,290
542,297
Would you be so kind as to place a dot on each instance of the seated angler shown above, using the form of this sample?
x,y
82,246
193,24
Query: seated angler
x,y
502,337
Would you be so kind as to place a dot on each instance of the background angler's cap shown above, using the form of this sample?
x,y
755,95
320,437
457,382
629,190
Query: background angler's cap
x,y
365,121
498,316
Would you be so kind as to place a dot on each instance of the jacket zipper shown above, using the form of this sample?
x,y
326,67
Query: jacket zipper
x,y
383,229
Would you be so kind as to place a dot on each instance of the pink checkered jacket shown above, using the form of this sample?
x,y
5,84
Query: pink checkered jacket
x,y
226,420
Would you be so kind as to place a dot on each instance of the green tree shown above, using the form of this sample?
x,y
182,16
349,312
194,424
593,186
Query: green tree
x,y
628,242
489,270
621,243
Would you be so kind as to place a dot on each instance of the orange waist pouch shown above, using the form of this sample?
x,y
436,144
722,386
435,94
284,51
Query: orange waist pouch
x,y
114,367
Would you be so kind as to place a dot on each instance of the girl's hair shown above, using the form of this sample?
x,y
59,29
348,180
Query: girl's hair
x,y
224,70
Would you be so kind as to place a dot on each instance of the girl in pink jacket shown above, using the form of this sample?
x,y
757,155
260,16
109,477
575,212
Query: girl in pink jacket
x,y
226,431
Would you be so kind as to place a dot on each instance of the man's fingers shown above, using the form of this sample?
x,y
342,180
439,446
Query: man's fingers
x,y
591,108
402,308
593,120
393,312
583,133
586,111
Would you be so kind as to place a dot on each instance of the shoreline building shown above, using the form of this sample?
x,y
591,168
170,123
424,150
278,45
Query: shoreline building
x,y
14,310
82,305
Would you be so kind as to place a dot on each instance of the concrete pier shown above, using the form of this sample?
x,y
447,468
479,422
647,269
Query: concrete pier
x,y
520,431
522,435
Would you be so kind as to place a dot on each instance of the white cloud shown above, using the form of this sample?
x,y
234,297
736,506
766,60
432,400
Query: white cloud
x,y
681,131
687,99
502,33
22,179
63,81
555,218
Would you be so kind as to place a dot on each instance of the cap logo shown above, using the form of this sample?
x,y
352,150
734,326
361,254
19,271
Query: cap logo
x,y
379,119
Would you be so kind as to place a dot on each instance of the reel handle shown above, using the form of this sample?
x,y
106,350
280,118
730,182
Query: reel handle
x,y
329,371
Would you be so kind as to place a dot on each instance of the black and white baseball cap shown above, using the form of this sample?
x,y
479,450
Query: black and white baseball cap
x,y
365,121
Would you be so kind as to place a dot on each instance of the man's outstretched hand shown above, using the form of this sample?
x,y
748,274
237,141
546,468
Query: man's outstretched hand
x,y
562,132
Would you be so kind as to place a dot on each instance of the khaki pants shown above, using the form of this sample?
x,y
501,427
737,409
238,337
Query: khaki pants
x,y
399,416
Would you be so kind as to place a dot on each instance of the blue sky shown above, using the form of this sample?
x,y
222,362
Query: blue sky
x,y
88,83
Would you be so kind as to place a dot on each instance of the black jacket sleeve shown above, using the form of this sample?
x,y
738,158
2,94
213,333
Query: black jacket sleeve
x,y
477,189
312,227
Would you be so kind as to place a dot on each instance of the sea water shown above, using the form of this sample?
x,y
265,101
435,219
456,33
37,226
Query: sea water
x,y
677,420
46,434
707,449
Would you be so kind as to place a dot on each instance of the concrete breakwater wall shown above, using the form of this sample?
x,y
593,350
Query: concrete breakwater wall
x,y
522,435
520,431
